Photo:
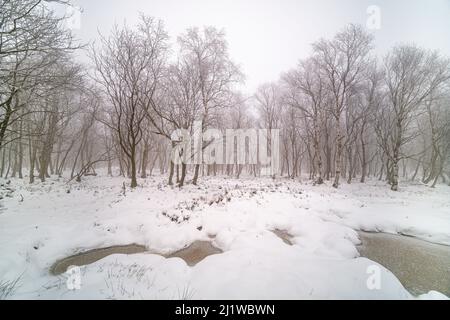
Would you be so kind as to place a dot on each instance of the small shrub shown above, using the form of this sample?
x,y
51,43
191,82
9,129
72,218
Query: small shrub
x,y
8,287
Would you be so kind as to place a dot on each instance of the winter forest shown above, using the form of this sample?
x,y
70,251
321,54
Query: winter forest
x,y
87,162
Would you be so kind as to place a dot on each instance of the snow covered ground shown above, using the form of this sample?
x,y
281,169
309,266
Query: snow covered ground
x,y
45,222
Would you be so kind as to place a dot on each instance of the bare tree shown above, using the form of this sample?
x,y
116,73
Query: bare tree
x,y
206,50
129,67
342,61
412,76
32,38
307,92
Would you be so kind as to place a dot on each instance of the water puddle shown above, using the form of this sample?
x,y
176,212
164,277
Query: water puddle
x,y
283,235
196,252
94,255
419,265
192,255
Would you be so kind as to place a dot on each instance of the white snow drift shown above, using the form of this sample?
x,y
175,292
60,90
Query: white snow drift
x,y
42,223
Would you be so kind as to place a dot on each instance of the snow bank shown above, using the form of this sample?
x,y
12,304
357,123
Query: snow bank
x,y
42,223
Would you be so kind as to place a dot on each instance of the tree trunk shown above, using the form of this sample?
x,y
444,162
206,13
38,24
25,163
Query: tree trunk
x,y
318,155
183,175
394,175
363,157
338,159
196,170
133,167
416,171
396,158
171,172
144,161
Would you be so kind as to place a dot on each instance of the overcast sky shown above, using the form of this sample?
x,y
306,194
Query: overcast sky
x,y
267,37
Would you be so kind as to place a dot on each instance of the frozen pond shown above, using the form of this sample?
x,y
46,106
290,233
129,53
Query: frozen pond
x,y
92,256
419,265
192,255
196,252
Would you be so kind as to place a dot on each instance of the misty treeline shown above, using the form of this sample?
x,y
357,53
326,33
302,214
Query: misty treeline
x,y
344,114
